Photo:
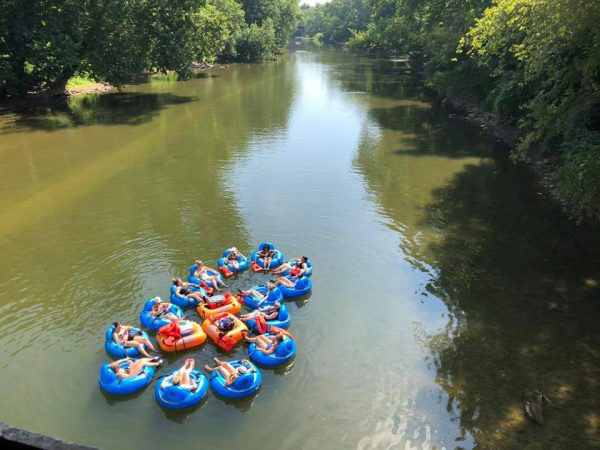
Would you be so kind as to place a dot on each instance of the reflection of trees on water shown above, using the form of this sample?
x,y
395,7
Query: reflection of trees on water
x,y
115,108
521,282
519,279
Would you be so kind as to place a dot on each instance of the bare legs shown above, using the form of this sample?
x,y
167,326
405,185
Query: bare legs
x,y
286,282
282,269
260,340
139,342
252,293
228,372
135,367
185,373
215,280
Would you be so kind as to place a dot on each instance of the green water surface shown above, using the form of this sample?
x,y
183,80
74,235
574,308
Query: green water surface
x,y
446,282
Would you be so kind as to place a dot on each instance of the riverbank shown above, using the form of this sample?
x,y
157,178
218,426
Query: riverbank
x,y
14,104
78,86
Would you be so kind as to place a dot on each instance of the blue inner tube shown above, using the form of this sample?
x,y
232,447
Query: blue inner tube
x,y
118,350
274,296
186,302
154,323
244,386
243,262
276,259
109,382
283,320
175,397
284,353
303,287
308,272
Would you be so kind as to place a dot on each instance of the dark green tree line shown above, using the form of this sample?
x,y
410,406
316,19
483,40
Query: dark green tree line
x,y
534,64
45,42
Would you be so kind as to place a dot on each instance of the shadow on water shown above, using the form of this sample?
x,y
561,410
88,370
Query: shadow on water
x,y
241,404
181,415
521,283
112,399
520,280
425,132
118,108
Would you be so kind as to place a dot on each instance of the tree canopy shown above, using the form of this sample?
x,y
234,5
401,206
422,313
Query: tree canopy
x,y
535,64
45,42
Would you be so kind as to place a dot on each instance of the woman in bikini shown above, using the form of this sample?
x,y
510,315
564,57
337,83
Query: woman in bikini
x,y
297,270
266,344
184,289
233,256
182,378
127,337
229,372
269,312
289,281
261,297
205,273
133,368
266,253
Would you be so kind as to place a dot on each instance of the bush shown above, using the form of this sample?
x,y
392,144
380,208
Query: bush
x,y
257,43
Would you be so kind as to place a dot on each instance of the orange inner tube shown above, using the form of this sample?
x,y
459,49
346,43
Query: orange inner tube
x,y
216,335
197,337
233,307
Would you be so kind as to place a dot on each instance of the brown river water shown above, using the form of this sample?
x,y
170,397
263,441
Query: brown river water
x,y
446,283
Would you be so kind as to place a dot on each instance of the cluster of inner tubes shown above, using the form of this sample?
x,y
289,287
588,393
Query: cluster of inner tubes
x,y
271,345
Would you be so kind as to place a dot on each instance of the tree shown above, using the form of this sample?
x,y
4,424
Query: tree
x,y
44,42
285,15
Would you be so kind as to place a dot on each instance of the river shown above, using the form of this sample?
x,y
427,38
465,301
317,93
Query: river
x,y
446,282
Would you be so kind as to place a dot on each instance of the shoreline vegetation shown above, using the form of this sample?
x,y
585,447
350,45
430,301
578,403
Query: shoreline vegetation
x,y
518,65
44,45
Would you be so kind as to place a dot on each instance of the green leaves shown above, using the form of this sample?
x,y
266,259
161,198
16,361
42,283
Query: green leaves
x,y
43,43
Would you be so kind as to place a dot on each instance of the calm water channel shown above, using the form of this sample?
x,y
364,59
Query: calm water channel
x,y
445,282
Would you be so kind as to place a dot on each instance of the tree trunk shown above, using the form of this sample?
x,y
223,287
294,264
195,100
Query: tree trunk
x,y
58,88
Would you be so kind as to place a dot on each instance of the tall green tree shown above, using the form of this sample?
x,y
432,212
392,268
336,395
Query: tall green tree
x,y
44,42
285,15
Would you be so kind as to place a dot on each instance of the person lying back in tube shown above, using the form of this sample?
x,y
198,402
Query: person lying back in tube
x,y
261,297
208,274
266,253
184,289
229,372
297,270
233,256
269,312
161,310
133,367
182,378
265,343
128,337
